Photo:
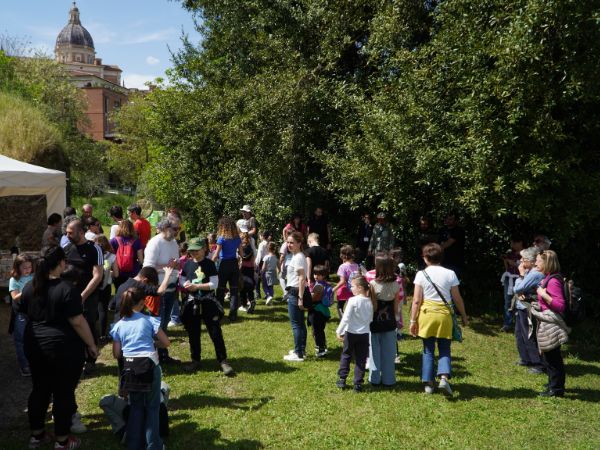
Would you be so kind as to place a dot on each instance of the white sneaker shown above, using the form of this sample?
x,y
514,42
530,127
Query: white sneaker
x,y
397,360
268,300
77,427
293,357
444,386
243,308
321,354
429,389
172,324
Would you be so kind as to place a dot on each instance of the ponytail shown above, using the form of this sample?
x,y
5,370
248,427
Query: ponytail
x,y
130,298
51,258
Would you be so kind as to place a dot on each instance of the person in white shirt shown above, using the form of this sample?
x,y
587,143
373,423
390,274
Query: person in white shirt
x,y
353,330
296,285
162,251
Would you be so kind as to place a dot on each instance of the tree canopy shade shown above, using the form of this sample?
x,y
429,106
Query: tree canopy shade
x,y
487,107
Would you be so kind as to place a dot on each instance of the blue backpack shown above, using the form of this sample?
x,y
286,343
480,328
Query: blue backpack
x,y
327,298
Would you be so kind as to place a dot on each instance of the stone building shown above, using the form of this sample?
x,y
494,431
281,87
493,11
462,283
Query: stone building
x,y
100,83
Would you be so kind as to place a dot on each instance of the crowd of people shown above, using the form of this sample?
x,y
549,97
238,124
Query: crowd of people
x,y
61,304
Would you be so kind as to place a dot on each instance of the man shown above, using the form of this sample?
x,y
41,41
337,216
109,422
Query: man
x,y
53,233
116,214
542,242
363,236
525,288
87,210
162,251
452,240
140,224
320,225
200,278
382,239
85,271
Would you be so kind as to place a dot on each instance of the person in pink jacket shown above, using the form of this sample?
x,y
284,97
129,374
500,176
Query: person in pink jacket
x,y
550,297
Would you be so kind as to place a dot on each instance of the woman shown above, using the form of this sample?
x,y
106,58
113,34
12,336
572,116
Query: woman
x,y
228,247
129,251
295,287
431,318
134,340
56,338
551,330
295,225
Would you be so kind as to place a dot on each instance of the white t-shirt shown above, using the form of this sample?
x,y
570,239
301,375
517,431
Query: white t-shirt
x,y
298,261
159,252
444,279
113,230
358,314
90,235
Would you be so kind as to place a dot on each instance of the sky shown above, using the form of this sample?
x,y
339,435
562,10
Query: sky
x,y
133,34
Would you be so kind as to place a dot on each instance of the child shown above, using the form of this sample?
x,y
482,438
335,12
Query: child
x,y
269,272
345,271
21,274
111,272
212,244
322,294
265,238
247,301
228,246
354,331
385,293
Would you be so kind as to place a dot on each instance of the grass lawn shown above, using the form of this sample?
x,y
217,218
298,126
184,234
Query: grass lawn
x,y
275,404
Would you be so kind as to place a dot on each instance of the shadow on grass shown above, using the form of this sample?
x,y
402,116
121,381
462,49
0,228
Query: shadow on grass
x,y
410,365
580,370
197,400
240,365
484,327
189,435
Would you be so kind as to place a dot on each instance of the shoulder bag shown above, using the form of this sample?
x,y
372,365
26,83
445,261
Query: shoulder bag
x,y
456,330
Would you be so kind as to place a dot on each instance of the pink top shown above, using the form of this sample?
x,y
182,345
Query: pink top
x,y
554,288
345,271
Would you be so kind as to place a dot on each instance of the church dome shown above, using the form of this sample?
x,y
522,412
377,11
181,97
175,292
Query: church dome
x,y
74,33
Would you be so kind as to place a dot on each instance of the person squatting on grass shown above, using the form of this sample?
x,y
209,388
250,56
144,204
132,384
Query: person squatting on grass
x,y
353,330
431,319
56,339
135,338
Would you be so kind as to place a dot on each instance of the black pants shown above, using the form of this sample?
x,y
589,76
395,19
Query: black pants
x,y
90,312
556,370
103,301
340,308
211,316
318,322
53,374
526,346
229,272
247,289
355,346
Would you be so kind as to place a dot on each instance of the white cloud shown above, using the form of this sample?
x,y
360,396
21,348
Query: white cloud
x,y
160,35
136,80
151,60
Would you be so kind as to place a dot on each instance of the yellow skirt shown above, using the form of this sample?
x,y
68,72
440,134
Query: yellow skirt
x,y
435,320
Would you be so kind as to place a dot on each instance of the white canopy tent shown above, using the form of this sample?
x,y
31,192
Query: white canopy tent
x,y
19,178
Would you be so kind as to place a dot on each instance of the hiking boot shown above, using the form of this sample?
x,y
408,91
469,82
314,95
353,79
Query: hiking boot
x,y
227,369
72,443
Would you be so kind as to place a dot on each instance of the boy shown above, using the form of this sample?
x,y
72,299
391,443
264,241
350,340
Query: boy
x,y
322,295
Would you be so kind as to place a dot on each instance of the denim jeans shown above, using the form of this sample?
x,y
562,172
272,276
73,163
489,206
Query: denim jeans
x,y
508,315
175,311
18,336
444,358
383,355
269,292
526,345
143,430
166,306
298,325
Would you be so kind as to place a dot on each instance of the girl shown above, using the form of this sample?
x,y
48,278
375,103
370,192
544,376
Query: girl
x,y
345,271
298,296
431,319
247,275
128,248
295,225
353,330
228,247
269,272
21,274
385,294
111,272
134,339
56,338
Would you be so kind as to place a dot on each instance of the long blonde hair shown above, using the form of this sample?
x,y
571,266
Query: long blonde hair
x,y
227,228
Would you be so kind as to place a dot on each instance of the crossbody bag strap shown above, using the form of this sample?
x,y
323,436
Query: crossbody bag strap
x,y
436,288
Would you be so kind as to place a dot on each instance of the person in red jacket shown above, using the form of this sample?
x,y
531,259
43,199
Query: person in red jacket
x,y
140,224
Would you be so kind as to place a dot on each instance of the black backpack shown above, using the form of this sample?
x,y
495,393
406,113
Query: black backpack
x,y
574,304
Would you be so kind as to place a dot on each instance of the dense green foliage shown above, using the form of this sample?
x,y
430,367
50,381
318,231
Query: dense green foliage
x,y
487,107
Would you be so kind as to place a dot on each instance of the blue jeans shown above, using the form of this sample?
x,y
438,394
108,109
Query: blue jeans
x,y
166,306
298,325
444,359
508,316
383,354
175,311
18,336
143,430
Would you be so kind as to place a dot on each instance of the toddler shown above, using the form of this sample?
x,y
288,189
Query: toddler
x,y
269,272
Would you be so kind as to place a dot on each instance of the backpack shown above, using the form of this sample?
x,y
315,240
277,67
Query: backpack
x,y
125,255
574,305
354,274
327,298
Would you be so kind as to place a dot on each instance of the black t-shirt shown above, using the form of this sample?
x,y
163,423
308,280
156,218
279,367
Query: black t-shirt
x,y
319,225
189,273
82,259
49,315
455,254
149,289
318,255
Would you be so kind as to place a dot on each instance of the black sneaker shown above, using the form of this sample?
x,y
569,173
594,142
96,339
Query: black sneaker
x,y
227,369
250,309
341,383
550,393
357,388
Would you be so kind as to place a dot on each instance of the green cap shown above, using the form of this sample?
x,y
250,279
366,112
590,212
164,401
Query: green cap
x,y
196,243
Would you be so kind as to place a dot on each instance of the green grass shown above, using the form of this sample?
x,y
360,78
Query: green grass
x,y
274,404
